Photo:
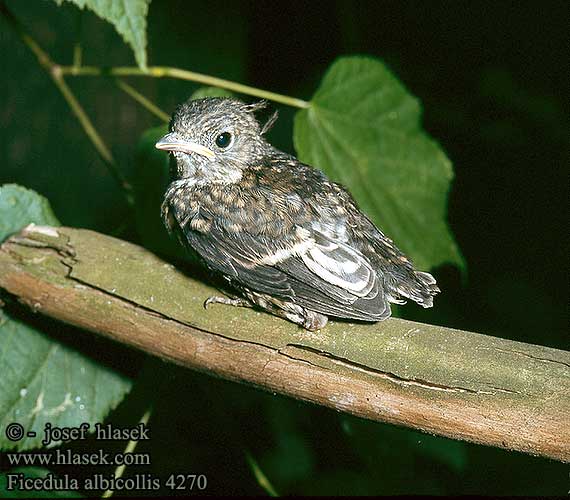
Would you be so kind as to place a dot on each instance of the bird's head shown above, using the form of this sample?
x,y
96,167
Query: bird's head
x,y
214,139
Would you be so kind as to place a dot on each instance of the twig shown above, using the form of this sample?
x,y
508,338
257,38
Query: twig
x,y
260,476
165,71
142,100
77,55
77,49
131,446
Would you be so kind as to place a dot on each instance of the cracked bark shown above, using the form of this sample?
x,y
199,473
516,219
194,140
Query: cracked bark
x,y
449,382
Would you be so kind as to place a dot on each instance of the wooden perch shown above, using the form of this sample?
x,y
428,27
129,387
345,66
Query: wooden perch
x,y
449,382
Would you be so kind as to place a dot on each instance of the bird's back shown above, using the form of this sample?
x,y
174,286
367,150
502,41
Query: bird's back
x,y
285,230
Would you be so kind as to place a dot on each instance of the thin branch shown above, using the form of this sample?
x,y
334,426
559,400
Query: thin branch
x,y
260,476
130,448
142,100
165,71
55,73
443,381
77,48
77,55
86,123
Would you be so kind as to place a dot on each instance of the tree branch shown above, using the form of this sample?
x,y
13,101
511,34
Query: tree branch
x,y
449,382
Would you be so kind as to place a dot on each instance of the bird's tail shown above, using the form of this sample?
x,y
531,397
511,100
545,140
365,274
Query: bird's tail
x,y
418,286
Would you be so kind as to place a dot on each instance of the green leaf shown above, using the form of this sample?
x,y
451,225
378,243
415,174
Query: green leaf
x,y
43,380
20,206
34,473
127,16
363,129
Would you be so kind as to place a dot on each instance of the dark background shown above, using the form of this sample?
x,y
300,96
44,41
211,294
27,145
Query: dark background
x,y
492,77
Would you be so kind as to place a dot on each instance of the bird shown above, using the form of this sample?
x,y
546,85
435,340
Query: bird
x,y
283,236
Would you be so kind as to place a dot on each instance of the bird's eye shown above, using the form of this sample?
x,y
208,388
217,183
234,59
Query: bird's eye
x,y
224,140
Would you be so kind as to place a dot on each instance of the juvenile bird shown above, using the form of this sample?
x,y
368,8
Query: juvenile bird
x,y
285,237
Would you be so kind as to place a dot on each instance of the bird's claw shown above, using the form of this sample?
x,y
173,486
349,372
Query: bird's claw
x,y
216,299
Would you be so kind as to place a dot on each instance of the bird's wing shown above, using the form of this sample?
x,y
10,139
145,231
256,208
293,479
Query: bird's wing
x,y
235,257
311,270
334,267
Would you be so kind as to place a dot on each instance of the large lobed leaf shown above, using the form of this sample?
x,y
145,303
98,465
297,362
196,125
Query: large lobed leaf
x,y
363,129
127,16
43,380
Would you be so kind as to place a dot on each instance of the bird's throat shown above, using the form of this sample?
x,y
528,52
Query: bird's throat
x,y
202,173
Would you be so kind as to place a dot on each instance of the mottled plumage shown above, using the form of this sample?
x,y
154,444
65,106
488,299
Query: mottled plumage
x,y
281,233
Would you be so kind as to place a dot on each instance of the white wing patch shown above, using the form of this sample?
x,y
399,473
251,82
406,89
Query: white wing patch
x,y
340,265
305,242
330,259
284,253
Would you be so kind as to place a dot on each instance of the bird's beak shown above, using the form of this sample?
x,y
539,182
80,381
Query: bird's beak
x,y
170,142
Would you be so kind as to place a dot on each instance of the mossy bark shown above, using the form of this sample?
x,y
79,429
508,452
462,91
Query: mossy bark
x,y
443,381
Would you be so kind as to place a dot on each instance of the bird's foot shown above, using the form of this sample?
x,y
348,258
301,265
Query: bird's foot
x,y
309,320
237,302
314,321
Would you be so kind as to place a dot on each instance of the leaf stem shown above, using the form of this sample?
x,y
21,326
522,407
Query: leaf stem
x,y
142,100
169,72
